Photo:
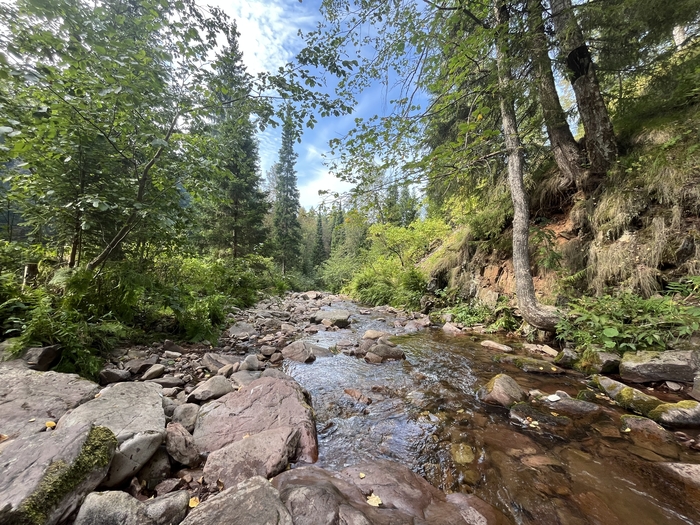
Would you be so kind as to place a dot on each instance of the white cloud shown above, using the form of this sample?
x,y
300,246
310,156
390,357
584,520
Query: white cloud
x,y
268,30
309,187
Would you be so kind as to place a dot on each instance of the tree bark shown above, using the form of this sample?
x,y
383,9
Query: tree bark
x,y
535,313
600,136
566,151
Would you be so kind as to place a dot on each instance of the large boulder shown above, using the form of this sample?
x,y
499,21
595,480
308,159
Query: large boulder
x,y
29,399
502,390
252,502
339,318
265,454
134,412
671,365
681,414
44,477
43,358
264,404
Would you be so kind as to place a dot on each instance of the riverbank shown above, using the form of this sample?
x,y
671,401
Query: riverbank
x,y
360,403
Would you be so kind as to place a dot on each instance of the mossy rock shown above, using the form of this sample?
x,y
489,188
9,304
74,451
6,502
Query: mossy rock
x,y
681,414
637,401
46,478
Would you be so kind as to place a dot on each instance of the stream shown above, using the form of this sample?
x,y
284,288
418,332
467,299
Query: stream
x,y
424,413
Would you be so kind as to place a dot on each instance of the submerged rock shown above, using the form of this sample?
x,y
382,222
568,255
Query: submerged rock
x,y
529,364
647,434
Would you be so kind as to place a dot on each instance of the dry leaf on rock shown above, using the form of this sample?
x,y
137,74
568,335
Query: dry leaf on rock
x,y
374,500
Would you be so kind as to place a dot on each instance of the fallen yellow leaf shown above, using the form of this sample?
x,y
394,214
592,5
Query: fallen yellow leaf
x,y
50,424
541,368
362,476
32,420
374,500
554,369
194,502
4,437
555,414
627,430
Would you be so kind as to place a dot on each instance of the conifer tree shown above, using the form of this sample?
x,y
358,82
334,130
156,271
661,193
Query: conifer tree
x,y
286,227
319,247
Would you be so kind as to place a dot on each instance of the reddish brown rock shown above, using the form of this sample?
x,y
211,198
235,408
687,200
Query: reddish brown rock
x,y
264,404
265,454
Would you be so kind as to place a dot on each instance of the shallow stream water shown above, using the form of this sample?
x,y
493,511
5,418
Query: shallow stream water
x,y
424,413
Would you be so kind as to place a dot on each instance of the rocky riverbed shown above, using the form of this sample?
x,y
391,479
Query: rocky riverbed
x,y
311,410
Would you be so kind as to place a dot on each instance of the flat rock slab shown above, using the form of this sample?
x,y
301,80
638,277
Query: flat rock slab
x,y
339,318
252,502
671,365
264,404
44,477
301,351
27,395
265,454
493,345
134,412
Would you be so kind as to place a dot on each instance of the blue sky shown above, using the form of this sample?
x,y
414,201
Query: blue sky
x,y
269,38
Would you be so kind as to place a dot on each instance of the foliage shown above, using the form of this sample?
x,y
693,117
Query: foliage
x,y
286,227
473,312
627,322
386,282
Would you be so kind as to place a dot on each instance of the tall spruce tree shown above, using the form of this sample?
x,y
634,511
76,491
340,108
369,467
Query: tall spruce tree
x,y
286,227
319,254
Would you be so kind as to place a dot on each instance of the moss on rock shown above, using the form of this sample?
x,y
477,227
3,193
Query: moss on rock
x,y
61,478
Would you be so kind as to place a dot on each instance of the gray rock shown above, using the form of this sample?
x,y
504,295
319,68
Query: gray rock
x,y
339,318
567,358
278,374
114,375
180,445
301,351
373,334
681,414
170,509
264,404
44,477
240,330
605,363
119,508
243,378
169,405
134,412
452,329
476,511
29,398
493,345
695,392
43,358
579,410
264,454
252,502
156,469
387,352
168,382
626,396
250,363
530,364
154,372
214,362
268,350
212,388
671,365
647,434
186,415
373,358
502,390
139,366
112,508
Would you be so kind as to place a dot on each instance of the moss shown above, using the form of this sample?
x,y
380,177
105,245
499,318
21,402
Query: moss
x,y
61,479
586,395
636,401
489,386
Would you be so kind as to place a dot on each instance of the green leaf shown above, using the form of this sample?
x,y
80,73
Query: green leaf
x,y
611,332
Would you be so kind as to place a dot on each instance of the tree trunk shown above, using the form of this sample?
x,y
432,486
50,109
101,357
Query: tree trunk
x,y
536,314
566,151
600,137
